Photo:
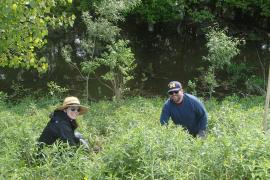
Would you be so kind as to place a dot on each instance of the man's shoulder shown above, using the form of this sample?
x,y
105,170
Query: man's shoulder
x,y
192,97
167,102
194,100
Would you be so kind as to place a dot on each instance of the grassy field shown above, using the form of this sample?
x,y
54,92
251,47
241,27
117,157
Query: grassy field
x,y
133,145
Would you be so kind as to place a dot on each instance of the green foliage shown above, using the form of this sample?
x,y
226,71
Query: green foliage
x,y
19,91
153,11
242,75
89,66
101,46
209,81
114,11
98,29
221,50
247,6
255,85
55,90
120,61
265,8
24,27
66,53
192,87
161,10
201,15
134,145
238,72
3,97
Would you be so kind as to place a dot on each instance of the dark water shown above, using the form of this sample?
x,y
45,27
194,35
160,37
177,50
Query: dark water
x,y
165,55
162,56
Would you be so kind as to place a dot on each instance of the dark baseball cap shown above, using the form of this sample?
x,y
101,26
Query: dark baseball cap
x,y
174,86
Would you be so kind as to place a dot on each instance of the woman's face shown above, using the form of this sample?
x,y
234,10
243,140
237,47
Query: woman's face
x,y
73,112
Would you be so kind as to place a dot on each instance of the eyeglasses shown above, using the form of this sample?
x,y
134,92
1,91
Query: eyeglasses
x,y
77,109
173,92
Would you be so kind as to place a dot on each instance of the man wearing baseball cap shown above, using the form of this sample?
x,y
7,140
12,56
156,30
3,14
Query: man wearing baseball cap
x,y
184,109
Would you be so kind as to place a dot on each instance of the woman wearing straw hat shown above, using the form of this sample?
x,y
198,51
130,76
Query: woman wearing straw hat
x,y
63,123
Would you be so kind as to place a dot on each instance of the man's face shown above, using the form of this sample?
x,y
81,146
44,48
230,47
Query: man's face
x,y
176,96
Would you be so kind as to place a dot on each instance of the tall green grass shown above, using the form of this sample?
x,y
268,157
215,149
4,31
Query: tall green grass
x,y
129,143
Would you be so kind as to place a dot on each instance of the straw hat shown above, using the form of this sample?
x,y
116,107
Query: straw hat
x,y
72,101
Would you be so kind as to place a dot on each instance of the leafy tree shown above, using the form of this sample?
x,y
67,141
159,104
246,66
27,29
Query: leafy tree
x,y
247,6
161,10
101,45
153,11
24,27
221,50
120,61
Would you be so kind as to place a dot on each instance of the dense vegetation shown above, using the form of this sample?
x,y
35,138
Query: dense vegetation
x,y
39,36
126,139
128,143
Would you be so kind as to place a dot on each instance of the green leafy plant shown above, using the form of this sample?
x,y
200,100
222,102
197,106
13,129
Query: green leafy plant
x,y
101,46
3,97
19,91
192,87
120,61
24,27
221,50
55,90
153,11
255,85
132,144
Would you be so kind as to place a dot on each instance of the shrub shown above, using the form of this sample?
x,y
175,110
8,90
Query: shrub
x,y
133,145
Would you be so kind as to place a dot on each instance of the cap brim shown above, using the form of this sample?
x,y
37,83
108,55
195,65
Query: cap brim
x,y
83,109
175,89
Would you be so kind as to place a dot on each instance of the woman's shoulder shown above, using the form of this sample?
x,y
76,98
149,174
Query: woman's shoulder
x,y
58,116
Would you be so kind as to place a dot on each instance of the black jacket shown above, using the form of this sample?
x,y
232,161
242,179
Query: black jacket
x,y
59,127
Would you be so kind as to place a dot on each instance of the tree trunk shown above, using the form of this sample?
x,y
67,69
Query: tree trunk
x,y
87,88
117,94
266,107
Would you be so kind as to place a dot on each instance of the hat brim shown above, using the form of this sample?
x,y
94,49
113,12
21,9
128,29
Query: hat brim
x,y
174,89
83,109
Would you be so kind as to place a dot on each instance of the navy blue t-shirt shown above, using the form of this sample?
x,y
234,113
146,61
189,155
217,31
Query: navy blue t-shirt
x,y
190,114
